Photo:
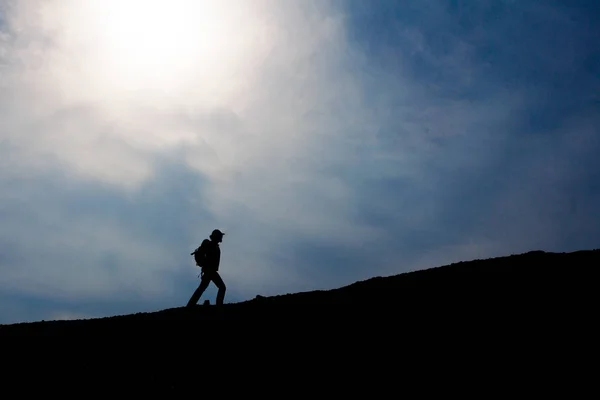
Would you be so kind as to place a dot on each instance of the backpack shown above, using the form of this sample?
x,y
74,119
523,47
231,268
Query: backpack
x,y
198,256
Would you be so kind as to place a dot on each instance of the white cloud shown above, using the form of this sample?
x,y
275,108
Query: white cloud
x,y
241,115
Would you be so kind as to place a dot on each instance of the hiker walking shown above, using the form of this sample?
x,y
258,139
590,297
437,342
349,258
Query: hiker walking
x,y
207,257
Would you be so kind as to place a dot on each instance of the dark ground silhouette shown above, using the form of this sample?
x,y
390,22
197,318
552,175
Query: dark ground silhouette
x,y
521,325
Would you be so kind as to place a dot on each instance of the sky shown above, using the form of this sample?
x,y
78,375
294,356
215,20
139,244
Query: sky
x,y
331,140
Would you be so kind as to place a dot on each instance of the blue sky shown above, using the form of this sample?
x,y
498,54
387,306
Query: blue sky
x,y
332,141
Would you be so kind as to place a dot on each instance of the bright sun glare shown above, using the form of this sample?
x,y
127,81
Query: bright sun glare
x,y
163,44
155,38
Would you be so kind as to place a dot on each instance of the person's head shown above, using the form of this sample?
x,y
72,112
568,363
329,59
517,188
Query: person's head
x,y
216,236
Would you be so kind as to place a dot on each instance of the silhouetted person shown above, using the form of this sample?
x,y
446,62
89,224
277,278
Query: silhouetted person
x,y
208,256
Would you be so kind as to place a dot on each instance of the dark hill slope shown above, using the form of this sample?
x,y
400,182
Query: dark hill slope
x,y
531,309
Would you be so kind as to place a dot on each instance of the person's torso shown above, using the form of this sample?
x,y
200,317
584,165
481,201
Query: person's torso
x,y
212,255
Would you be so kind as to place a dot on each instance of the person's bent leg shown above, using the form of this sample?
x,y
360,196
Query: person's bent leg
x,y
198,292
216,278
